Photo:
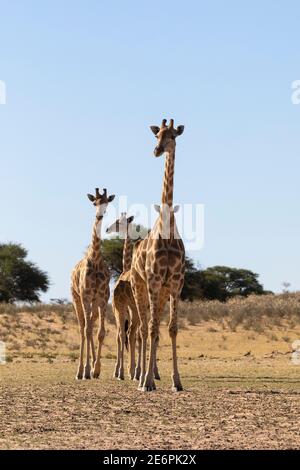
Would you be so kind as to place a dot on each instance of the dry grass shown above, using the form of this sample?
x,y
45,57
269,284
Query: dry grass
x,y
211,329
241,387
256,313
263,324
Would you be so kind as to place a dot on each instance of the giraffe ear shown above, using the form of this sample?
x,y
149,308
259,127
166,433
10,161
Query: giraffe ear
x,y
91,197
111,198
157,207
154,129
179,130
130,219
176,209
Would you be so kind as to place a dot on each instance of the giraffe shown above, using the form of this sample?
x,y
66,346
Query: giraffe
x,y
90,291
158,265
123,305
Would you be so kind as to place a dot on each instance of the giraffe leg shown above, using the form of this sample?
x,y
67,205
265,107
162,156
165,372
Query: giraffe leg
x,y
122,344
163,298
120,311
149,383
134,323
155,367
88,334
137,371
173,328
118,341
95,315
118,361
101,336
93,347
144,337
139,290
81,323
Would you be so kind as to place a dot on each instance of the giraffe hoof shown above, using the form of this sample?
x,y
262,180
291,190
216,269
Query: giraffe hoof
x,y
87,375
148,385
121,377
179,388
79,377
131,375
96,375
148,388
157,376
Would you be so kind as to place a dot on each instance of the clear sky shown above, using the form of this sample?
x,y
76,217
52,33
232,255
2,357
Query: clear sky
x,y
84,81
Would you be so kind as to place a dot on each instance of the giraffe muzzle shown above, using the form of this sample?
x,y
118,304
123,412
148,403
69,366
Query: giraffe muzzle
x,y
158,151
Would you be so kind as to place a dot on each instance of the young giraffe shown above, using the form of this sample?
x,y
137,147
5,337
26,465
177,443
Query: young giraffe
x,y
123,304
157,270
90,291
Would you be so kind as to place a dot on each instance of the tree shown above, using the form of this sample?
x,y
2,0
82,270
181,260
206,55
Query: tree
x,y
112,250
20,279
192,288
58,301
223,282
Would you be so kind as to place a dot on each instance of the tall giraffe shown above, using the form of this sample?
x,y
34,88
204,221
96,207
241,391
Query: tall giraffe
x,y
90,291
123,304
158,265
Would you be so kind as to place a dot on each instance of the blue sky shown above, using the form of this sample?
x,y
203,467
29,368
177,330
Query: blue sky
x,y
86,79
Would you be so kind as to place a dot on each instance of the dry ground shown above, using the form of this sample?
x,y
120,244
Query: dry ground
x,y
241,390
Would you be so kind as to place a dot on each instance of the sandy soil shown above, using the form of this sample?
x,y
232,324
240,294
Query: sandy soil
x,y
226,405
241,390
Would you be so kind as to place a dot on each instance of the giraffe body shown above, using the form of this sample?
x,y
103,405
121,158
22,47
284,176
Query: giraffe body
x,y
124,306
157,271
90,293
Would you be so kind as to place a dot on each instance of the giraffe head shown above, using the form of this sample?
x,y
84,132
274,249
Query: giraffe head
x,y
121,225
101,202
166,136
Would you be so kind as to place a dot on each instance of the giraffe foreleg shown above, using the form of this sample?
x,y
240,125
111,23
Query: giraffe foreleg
x,y
86,303
139,291
173,329
163,298
119,310
122,344
81,323
155,366
95,315
101,336
118,340
137,371
154,290
133,328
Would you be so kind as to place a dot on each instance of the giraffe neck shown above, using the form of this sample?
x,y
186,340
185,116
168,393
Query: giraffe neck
x,y
94,251
127,253
168,184
166,222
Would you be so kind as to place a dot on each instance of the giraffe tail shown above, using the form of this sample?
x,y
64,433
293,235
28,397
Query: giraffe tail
x,y
126,333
